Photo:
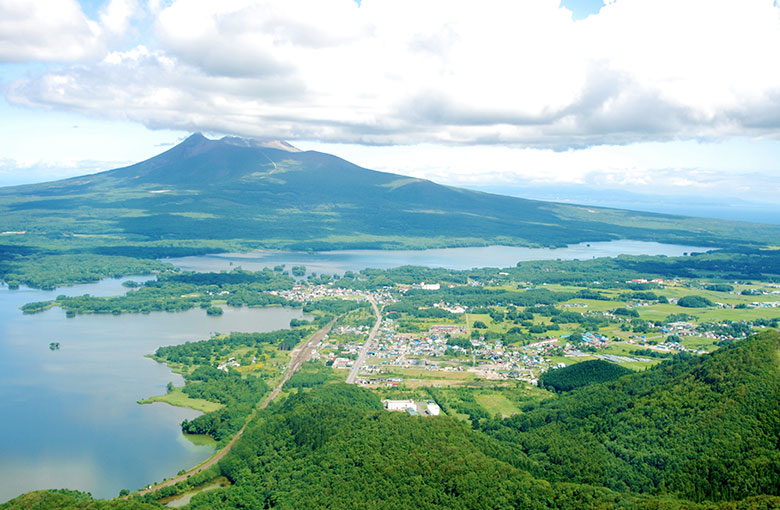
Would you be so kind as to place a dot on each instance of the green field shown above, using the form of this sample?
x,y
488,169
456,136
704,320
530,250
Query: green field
x,y
496,403
179,399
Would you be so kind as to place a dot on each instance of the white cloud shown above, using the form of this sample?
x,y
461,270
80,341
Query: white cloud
x,y
58,30
439,71
116,16
46,30
738,168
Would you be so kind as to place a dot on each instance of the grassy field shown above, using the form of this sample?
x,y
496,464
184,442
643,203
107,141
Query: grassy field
x,y
180,399
415,377
200,440
496,403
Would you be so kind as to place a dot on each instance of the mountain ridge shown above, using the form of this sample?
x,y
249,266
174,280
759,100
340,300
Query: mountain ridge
x,y
270,194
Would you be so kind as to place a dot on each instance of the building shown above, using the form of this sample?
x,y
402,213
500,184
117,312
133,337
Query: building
x,y
433,409
399,405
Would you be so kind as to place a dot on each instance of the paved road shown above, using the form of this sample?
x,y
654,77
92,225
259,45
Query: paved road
x,y
299,355
366,346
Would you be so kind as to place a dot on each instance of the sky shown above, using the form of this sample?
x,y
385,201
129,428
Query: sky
x,y
657,97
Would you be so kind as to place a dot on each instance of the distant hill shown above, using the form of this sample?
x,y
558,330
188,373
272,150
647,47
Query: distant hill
x,y
269,194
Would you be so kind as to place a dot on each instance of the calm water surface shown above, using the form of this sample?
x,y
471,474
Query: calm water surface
x,y
331,262
69,418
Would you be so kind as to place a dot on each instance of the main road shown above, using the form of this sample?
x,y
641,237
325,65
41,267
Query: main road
x,y
366,346
299,355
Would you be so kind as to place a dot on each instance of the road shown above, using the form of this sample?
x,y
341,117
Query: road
x,y
299,355
366,346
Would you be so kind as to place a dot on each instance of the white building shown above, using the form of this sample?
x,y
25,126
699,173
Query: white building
x,y
399,405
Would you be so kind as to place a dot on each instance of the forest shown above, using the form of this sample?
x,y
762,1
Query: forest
x,y
238,394
581,374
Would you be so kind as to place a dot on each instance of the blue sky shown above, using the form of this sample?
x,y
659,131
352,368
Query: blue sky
x,y
581,9
662,97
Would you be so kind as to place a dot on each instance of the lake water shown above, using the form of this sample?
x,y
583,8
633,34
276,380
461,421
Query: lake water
x,y
332,262
69,418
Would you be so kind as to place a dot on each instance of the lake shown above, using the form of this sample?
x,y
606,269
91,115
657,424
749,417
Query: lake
x,y
70,417
332,262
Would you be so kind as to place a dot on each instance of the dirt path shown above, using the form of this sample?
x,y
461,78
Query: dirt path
x,y
299,355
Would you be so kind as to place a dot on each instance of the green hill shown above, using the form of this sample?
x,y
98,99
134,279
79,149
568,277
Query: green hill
x,y
705,428
581,374
698,433
217,192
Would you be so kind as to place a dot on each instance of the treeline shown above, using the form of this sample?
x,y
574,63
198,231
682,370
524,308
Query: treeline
x,y
173,292
50,271
328,309
477,297
729,264
266,279
605,273
204,352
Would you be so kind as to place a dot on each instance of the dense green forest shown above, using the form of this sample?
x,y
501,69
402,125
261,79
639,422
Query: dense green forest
x,y
703,428
581,374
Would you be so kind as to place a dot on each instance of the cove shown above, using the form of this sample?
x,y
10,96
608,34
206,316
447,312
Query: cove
x,y
70,417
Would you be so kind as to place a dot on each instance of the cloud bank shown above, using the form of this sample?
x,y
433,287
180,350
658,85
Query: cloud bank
x,y
406,72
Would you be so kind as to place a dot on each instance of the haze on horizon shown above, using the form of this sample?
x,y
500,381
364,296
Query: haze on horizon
x,y
614,104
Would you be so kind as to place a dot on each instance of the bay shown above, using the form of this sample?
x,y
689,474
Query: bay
x,y
69,418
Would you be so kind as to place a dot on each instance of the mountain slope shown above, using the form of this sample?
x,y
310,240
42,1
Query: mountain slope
x,y
270,194
704,428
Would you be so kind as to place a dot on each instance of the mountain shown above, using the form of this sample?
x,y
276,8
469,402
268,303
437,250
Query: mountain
x,y
269,194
